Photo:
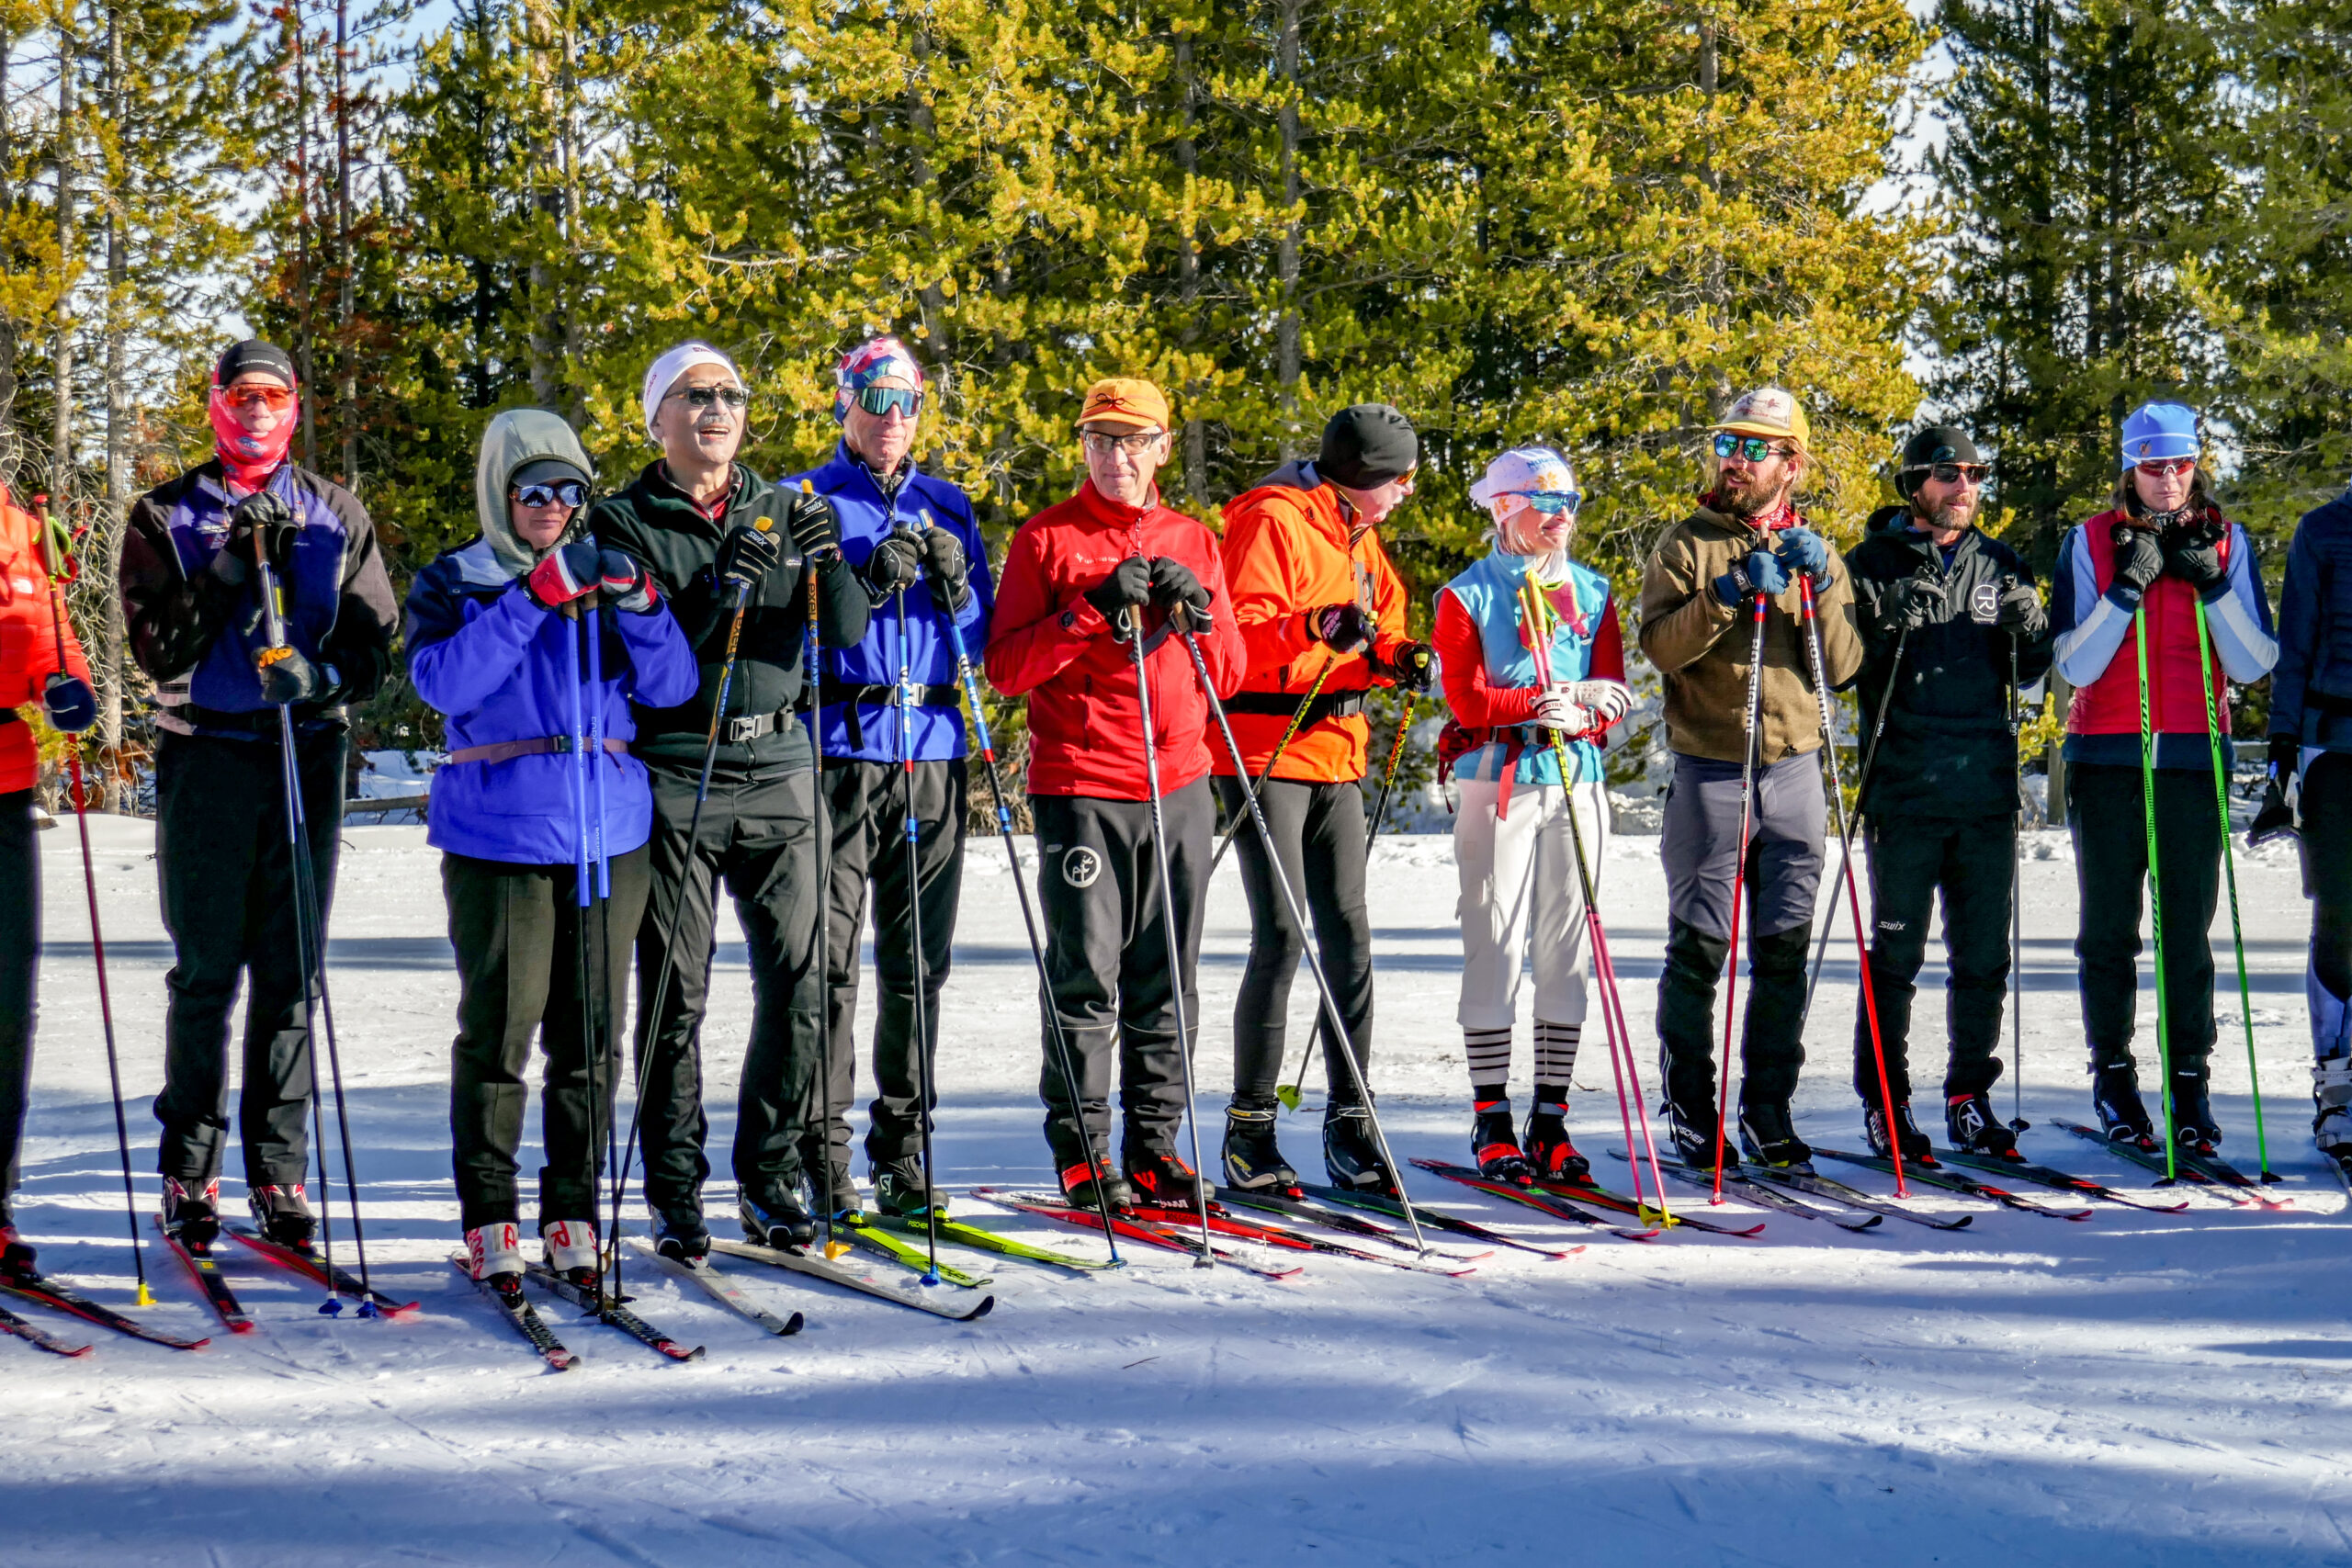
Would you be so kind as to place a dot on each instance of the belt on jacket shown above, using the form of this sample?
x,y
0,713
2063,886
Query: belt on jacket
x,y
506,750
743,729
849,694
187,719
1282,705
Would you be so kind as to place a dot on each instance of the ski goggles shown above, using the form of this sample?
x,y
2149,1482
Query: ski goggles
x,y
257,397
1551,503
880,400
2166,465
1955,473
565,492
1754,448
704,397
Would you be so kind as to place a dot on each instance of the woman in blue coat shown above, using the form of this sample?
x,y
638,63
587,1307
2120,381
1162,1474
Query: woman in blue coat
x,y
532,643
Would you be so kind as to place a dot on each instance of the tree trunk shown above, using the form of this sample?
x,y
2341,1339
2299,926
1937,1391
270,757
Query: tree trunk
x,y
61,436
1188,270
345,355
106,661
1286,259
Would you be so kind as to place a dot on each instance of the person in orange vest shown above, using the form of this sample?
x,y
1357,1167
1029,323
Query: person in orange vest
x,y
39,663
1322,612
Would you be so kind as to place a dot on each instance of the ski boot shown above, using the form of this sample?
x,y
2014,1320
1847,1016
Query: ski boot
x,y
1698,1136
284,1216
193,1219
1352,1151
494,1254
2193,1126
571,1251
681,1235
1162,1181
1493,1144
2115,1096
2332,1112
1078,1181
1970,1122
1253,1161
1917,1149
1770,1138
16,1255
1548,1148
901,1188
778,1218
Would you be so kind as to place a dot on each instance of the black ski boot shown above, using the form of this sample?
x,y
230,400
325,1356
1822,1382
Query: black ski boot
x,y
778,1219
192,1218
681,1235
2332,1109
1352,1151
284,1216
2115,1096
843,1198
899,1189
1917,1149
2192,1109
1975,1128
1252,1160
1162,1181
1493,1144
1548,1148
1079,1180
1698,1135
1771,1137
16,1252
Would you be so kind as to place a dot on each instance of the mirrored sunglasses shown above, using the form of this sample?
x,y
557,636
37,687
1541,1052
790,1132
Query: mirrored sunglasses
x,y
2166,465
704,397
1551,503
566,492
258,397
884,399
1754,448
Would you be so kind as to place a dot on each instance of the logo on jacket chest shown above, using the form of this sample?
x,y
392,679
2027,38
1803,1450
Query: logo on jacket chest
x,y
1984,603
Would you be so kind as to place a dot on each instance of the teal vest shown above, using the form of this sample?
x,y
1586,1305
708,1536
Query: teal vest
x,y
1490,591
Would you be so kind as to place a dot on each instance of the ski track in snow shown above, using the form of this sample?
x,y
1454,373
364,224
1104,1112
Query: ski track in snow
x,y
2148,1388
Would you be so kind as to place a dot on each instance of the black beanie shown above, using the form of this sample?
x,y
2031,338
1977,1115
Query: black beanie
x,y
1937,444
1367,446
240,358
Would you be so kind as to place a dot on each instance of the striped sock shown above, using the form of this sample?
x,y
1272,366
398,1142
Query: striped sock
x,y
1555,1052
1489,1054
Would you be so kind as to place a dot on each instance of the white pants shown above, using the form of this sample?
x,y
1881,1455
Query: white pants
x,y
1521,892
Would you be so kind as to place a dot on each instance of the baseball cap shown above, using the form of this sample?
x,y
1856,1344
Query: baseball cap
x,y
1769,411
1125,402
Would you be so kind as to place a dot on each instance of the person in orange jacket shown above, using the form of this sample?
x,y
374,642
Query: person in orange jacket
x,y
1322,612
39,663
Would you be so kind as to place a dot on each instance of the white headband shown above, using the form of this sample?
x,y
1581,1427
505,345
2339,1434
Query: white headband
x,y
675,364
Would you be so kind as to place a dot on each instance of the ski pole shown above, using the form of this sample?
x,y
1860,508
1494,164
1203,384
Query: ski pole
x,y
1175,940
1622,1066
57,574
2155,876
1388,778
1290,732
970,680
1853,894
2017,1123
923,1097
1181,619
2218,740
1846,841
820,846
604,1065
582,899
1749,725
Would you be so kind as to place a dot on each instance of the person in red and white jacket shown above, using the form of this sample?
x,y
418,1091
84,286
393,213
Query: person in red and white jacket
x,y
39,663
1082,578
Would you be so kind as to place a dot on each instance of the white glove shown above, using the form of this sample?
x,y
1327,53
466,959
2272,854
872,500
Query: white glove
x,y
1558,709
1609,699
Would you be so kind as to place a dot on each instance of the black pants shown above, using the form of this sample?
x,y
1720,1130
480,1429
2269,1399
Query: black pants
x,y
20,967
517,931
2326,813
2105,810
756,836
1106,919
1770,1049
228,885
1318,831
1970,862
865,803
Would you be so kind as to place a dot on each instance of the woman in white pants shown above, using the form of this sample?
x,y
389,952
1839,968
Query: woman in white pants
x,y
1512,840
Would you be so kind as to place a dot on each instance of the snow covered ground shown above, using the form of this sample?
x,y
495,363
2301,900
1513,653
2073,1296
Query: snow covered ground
x,y
2141,1388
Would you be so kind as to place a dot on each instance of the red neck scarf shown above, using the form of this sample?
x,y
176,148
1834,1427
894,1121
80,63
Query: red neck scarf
x,y
248,459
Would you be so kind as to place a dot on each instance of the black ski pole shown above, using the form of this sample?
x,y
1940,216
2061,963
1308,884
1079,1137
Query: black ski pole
x,y
2018,1123
924,1063
970,680
1846,835
820,848
1290,733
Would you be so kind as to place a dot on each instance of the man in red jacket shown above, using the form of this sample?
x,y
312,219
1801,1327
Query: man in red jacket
x,y
1082,579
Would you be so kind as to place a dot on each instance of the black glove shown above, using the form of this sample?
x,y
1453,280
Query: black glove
x,y
746,556
290,677
261,522
2276,819
950,573
1413,666
565,574
1343,628
895,563
816,529
71,707
2139,560
1173,584
1126,586
2020,611
2194,554
1912,603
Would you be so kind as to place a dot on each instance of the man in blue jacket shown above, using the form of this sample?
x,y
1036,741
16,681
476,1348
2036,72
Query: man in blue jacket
x,y
912,538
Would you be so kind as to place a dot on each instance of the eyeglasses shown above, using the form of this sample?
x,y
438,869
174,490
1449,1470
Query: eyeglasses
x,y
884,399
1551,503
1954,473
258,397
566,492
703,397
1754,448
1136,446
2165,466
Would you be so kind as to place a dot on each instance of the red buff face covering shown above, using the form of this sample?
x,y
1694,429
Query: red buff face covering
x,y
248,459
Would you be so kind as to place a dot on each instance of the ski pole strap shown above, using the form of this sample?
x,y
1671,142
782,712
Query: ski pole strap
x,y
507,750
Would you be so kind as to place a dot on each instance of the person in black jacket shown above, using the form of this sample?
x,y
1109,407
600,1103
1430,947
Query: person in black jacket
x,y
693,520
1950,624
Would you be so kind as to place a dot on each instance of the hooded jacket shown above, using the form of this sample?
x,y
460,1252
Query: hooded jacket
x,y
1946,750
1701,645
2311,688
502,668
1085,724
36,641
1290,548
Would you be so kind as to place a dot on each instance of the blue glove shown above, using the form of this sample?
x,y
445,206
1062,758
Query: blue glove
x,y
1802,549
1760,569
71,707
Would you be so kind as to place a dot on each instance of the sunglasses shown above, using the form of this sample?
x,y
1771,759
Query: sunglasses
x,y
1102,444
563,493
1754,448
2166,466
1955,473
1551,503
258,397
887,399
704,397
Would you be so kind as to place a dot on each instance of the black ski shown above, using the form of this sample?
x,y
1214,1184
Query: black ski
x,y
2189,1176
43,1291
1737,1181
816,1268
206,1269
525,1318
1815,1184
38,1337
2215,1168
1651,1212
1338,1219
1436,1219
604,1308
315,1270
1541,1202
722,1289
2059,1180
1953,1182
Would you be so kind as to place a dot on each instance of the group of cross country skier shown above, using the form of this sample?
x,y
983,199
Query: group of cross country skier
x,y
700,676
